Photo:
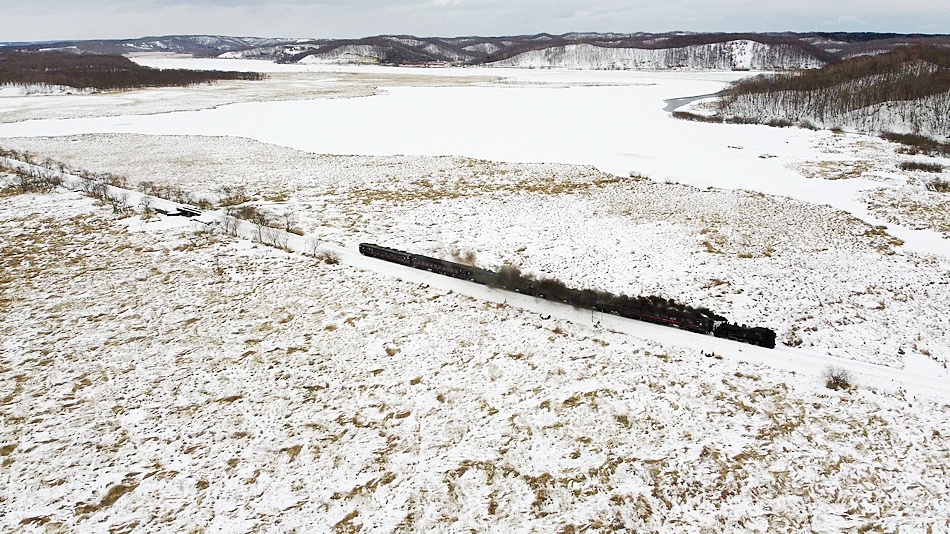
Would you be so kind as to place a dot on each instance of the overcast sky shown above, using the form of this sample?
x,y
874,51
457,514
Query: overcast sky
x,y
32,20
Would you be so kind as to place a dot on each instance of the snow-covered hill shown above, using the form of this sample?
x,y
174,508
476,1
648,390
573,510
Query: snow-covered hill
x,y
731,55
906,91
348,55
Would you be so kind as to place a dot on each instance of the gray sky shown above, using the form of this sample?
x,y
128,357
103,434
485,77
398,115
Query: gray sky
x,y
30,20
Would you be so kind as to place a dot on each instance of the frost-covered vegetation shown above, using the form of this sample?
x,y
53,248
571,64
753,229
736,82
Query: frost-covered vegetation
x,y
101,72
906,90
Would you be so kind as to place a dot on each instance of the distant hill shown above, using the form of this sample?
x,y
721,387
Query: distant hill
x,y
754,51
196,45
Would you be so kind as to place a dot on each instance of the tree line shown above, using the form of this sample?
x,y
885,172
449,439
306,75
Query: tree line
x,y
102,72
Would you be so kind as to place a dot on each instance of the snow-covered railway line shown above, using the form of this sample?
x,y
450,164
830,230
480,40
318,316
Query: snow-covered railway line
x,y
796,361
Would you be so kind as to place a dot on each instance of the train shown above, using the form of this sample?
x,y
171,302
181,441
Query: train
x,y
652,309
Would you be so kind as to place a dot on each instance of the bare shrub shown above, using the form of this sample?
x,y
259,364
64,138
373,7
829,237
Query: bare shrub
x,y
86,184
261,219
793,339
248,213
115,180
687,116
36,180
838,378
146,187
917,144
232,195
50,180
145,203
920,166
201,235
98,190
22,181
939,186
119,202
331,258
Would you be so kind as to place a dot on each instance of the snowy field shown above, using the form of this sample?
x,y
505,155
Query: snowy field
x,y
152,378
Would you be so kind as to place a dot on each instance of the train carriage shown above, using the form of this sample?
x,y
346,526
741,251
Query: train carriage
x,y
648,309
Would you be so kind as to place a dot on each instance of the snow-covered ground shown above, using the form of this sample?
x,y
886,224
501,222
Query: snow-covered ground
x,y
157,378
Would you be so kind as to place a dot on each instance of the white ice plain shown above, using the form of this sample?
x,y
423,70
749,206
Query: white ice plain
x,y
153,381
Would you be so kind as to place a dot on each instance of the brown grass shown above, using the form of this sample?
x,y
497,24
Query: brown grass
x,y
835,170
114,494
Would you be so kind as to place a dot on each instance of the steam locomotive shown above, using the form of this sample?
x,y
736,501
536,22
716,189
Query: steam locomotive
x,y
651,309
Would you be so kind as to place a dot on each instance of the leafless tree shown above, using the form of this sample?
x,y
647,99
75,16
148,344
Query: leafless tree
x,y
120,202
98,190
291,221
230,224
312,246
261,221
274,237
146,204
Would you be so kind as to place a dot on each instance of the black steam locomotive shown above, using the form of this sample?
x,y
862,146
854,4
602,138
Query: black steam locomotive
x,y
649,309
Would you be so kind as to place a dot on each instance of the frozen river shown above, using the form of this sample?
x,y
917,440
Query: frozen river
x,y
612,120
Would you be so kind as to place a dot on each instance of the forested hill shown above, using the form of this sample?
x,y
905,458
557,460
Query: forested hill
x,y
674,50
102,72
906,90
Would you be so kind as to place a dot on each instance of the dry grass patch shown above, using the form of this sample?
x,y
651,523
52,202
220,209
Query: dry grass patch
x,y
913,208
835,170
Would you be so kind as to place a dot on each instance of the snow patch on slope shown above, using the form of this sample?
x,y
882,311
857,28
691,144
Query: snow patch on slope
x,y
487,48
740,54
347,54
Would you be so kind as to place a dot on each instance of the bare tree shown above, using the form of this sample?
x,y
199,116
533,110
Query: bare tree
x,y
291,221
261,220
146,204
230,224
312,247
275,237
146,187
98,190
